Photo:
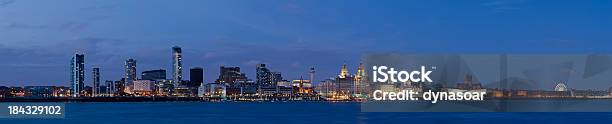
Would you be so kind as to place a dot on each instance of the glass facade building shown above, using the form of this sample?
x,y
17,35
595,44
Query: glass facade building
x,y
77,74
154,75
130,71
196,75
177,66
96,81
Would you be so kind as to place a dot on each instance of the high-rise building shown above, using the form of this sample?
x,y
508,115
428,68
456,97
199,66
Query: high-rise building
x,y
120,87
312,74
110,88
196,75
154,75
130,71
96,81
276,77
360,81
345,82
77,73
263,75
344,72
230,75
177,66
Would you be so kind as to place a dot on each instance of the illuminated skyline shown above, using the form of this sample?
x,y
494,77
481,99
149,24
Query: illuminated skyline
x,y
291,36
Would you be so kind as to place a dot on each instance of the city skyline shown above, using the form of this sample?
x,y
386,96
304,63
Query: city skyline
x,y
131,72
289,36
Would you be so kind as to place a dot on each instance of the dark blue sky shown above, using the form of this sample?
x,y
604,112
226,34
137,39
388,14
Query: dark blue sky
x,y
37,38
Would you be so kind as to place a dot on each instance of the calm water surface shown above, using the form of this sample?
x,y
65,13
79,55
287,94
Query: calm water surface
x,y
284,112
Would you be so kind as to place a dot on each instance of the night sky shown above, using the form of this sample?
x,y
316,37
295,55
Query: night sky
x,y
38,38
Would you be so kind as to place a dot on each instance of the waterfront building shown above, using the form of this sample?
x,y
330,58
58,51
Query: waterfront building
x,y
177,66
164,87
229,75
4,92
277,91
110,88
588,93
96,81
87,90
130,73
276,78
77,74
183,91
120,87
103,91
344,72
61,91
201,90
263,76
388,88
242,87
469,84
360,87
312,74
327,88
143,87
17,91
284,83
214,90
154,75
345,82
302,86
39,91
196,77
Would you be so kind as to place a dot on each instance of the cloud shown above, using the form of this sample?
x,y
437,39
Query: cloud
x,y
73,26
4,3
50,63
252,62
23,58
495,3
503,6
31,65
32,56
16,25
92,44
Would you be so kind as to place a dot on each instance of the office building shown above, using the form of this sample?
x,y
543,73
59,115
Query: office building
x,y
39,91
96,81
61,91
263,76
130,72
120,87
276,78
360,81
229,75
143,87
196,76
177,66
154,75
77,74
345,82
110,88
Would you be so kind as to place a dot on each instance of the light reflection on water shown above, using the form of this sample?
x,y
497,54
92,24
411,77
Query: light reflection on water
x,y
281,112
